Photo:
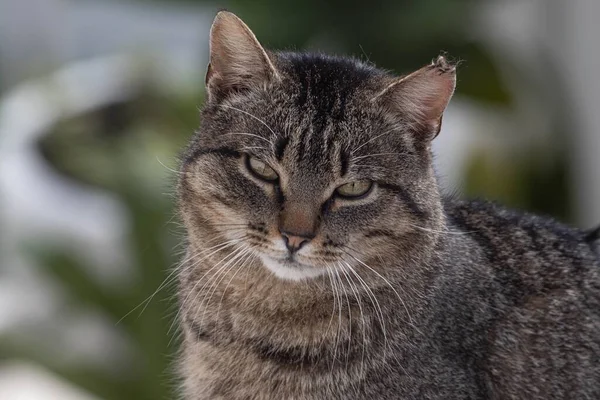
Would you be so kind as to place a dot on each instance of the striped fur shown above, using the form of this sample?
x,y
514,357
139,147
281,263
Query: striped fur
x,y
403,294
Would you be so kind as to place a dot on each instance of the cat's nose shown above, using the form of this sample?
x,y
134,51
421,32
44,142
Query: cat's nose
x,y
294,242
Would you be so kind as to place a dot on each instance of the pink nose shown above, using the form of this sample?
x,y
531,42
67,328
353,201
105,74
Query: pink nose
x,y
294,242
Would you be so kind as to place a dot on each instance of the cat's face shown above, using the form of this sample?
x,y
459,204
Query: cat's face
x,y
310,163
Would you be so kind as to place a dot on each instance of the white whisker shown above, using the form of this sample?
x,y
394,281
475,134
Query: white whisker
x,y
248,255
252,116
169,168
376,305
247,148
170,277
249,134
374,155
223,272
338,331
372,139
328,270
182,304
362,315
349,318
438,231
388,283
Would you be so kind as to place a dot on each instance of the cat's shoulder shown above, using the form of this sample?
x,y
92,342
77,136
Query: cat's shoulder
x,y
484,214
495,225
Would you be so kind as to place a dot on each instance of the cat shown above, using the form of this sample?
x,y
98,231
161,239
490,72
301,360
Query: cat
x,y
324,263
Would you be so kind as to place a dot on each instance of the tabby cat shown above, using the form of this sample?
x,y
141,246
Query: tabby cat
x,y
323,262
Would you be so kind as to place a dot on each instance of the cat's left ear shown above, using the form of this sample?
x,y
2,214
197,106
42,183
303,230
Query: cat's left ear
x,y
421,97
237,60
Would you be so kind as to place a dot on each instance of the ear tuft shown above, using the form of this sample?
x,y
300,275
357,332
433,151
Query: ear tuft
x,y
422,96
443,66
237,60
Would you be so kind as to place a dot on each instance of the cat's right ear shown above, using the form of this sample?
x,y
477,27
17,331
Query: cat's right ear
x,y
237,60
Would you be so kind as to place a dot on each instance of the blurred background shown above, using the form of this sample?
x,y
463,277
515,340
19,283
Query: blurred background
x,y
98,96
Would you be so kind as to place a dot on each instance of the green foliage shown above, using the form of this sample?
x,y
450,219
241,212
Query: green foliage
x,y
526,183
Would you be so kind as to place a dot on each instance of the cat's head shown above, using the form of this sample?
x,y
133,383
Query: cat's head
x,y
311,162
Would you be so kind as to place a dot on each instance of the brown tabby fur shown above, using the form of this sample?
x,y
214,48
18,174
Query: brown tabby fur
x,y
411,295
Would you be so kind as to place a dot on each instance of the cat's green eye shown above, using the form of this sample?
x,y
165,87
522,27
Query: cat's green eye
x,y
355,189
261,169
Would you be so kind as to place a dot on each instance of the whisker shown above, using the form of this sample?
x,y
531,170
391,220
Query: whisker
x,y
160,287
182,173
182,305
252,116
372,139
248,255
338,331
249,134
223,273
375,303
376,154
386,281
442,232
362,314
253,148
328,270
168,168
217,265
211,224
375,167
349,321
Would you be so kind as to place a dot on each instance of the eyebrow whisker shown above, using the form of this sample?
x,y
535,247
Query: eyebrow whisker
x,y
249,134
372,139
252,116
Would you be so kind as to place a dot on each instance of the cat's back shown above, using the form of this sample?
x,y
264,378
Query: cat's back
x,y
543,340
532,244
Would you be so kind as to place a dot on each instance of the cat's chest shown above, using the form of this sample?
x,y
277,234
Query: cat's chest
x,y
391,366
233,374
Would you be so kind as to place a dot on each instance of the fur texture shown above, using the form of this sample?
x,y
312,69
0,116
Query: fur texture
x,y
397,293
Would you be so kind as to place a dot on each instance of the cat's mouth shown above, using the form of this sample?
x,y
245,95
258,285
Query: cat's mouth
x,y
289,268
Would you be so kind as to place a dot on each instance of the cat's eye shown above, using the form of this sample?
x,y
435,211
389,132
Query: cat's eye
x,y
355,189
261,169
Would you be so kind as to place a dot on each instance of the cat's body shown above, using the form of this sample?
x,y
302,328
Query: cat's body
x,y
298,286
483,326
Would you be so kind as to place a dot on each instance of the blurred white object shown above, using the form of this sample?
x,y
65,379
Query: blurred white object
x,y
24,381
579,56
38,203
37,36
41,206
539,34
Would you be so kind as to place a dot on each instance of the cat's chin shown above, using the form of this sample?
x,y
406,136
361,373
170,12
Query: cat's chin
x,y
290,270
